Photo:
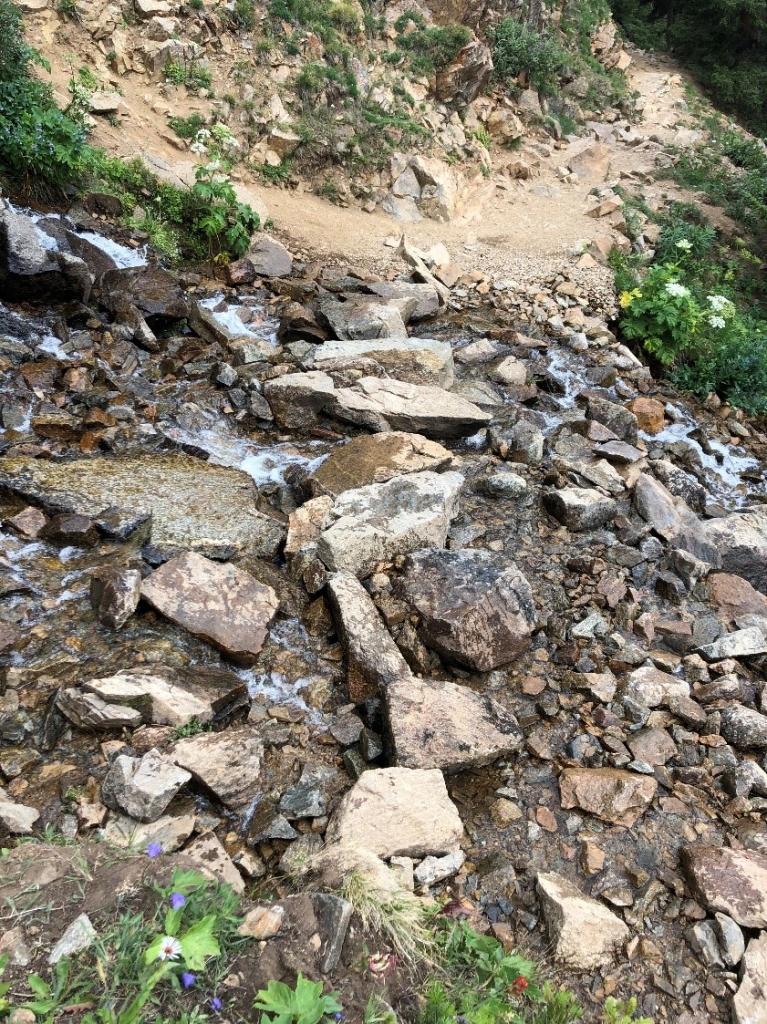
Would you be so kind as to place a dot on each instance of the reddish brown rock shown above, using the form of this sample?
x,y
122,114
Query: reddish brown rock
x,y
732,881
734,597
609,793
649,413
218,603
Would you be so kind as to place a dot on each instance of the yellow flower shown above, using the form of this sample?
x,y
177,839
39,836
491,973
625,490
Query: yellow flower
x,y
626,298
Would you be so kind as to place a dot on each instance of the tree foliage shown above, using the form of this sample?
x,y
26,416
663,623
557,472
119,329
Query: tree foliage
x,y
723,42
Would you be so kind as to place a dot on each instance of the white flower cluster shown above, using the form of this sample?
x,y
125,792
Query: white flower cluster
x,y
677,290
684,243
717,321
718,303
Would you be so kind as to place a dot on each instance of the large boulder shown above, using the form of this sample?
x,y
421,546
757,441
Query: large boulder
x,y
189,504
397,812
151,290
31,271
142,787
741,540
218,603
580,508
296,399
731,881
365,318
476,607
415,360
749,1004
397,405
433,724
373,660
671,519
467,76
374,524
585,934
376,458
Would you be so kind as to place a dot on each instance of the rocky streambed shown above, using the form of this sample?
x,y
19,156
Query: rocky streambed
x,y
313,573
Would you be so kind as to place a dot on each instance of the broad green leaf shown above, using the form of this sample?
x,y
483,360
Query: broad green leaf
x,y
199,943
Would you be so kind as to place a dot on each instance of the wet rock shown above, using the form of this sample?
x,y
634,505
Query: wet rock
x,y
296,399
415,360
192,505
673,520
681,484
749,1005
521,443
585,934
373,660
580,508
269,258
227,763
162,695
397,812
18,819
650,414
381,404
731,941
214,862
426,295
744,728
741,540
27,523
79,935
434,724
308,798
263,922
617,418
510,371
88,711
476,606
70,528
218,603
653,688
115,595
730,881
170,831
150,289
503,484
143,787
364,318
374,524
376,458
743,643
30,272
611,794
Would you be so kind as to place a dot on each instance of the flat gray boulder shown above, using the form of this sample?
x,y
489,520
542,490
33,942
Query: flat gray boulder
x,y
415,360
142,787
228,763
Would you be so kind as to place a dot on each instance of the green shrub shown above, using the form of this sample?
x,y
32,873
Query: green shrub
x,y
36,138
519,48
243,15
429,48
323,17
187,127
193,75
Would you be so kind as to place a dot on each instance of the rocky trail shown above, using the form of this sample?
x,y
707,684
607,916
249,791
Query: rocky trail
x,y
384,561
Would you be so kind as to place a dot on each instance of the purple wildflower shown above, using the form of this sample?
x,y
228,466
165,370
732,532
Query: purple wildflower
x,y
216,1004
188,979
177,901
154,850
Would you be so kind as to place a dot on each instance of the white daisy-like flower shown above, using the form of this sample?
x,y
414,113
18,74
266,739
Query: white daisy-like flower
x,y
717,321
170,948
677,290
718,302
684,243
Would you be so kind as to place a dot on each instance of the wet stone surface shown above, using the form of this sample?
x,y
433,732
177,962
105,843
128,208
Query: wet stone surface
x,y
612,715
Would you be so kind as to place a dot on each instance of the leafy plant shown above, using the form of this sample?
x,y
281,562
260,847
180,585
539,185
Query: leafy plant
x,y
518,48
304,1004
187,127
623,1012
431,47
4,985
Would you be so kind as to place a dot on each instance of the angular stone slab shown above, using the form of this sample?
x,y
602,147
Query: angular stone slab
x,y
396,405
193,505
731,881
580,508
376,458
89,711
417,360
672,519
742,543
476,606
652,688
609,793
161,695
743,643
749,1005
397,812
228,763
433,724
142,787
585,933
374,524
373,660
218,603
